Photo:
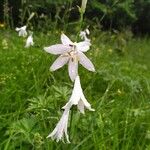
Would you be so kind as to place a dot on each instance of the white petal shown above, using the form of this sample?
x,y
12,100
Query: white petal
x,y
68,105
81,106
87,31
65,40
86,103
87,40
24,27
17,29
22,33
82,35
59,62
83,46
29,42
73,69
85,62
78,98
57,49
76,94
66,133
82,97
61,128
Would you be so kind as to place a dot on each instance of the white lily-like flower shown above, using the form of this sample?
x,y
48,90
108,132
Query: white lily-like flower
x,y
22,31
61,128
29,41
78,98
83,35
70,53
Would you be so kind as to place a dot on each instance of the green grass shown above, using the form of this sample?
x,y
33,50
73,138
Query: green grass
x,y
31,96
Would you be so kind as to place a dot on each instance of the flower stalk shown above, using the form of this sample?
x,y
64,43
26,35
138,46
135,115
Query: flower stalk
x,y
73,54
82,11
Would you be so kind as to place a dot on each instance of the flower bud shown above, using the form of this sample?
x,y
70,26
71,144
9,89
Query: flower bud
x,y
83,6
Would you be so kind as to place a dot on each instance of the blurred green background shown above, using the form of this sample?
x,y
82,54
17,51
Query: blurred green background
x,y
106,14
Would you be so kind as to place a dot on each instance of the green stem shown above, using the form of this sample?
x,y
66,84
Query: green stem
x,y
80,23
106,93
81,20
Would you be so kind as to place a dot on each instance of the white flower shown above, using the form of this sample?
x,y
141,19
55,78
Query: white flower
x,y
87,31
83,35
29,41
22,31
70,53
61,128
78,98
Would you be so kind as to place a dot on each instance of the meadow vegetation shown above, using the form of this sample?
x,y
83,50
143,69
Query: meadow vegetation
x,y
31,96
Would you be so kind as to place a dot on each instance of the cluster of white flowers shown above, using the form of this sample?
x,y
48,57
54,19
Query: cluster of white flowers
x,y
83,35
71,53
22,32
